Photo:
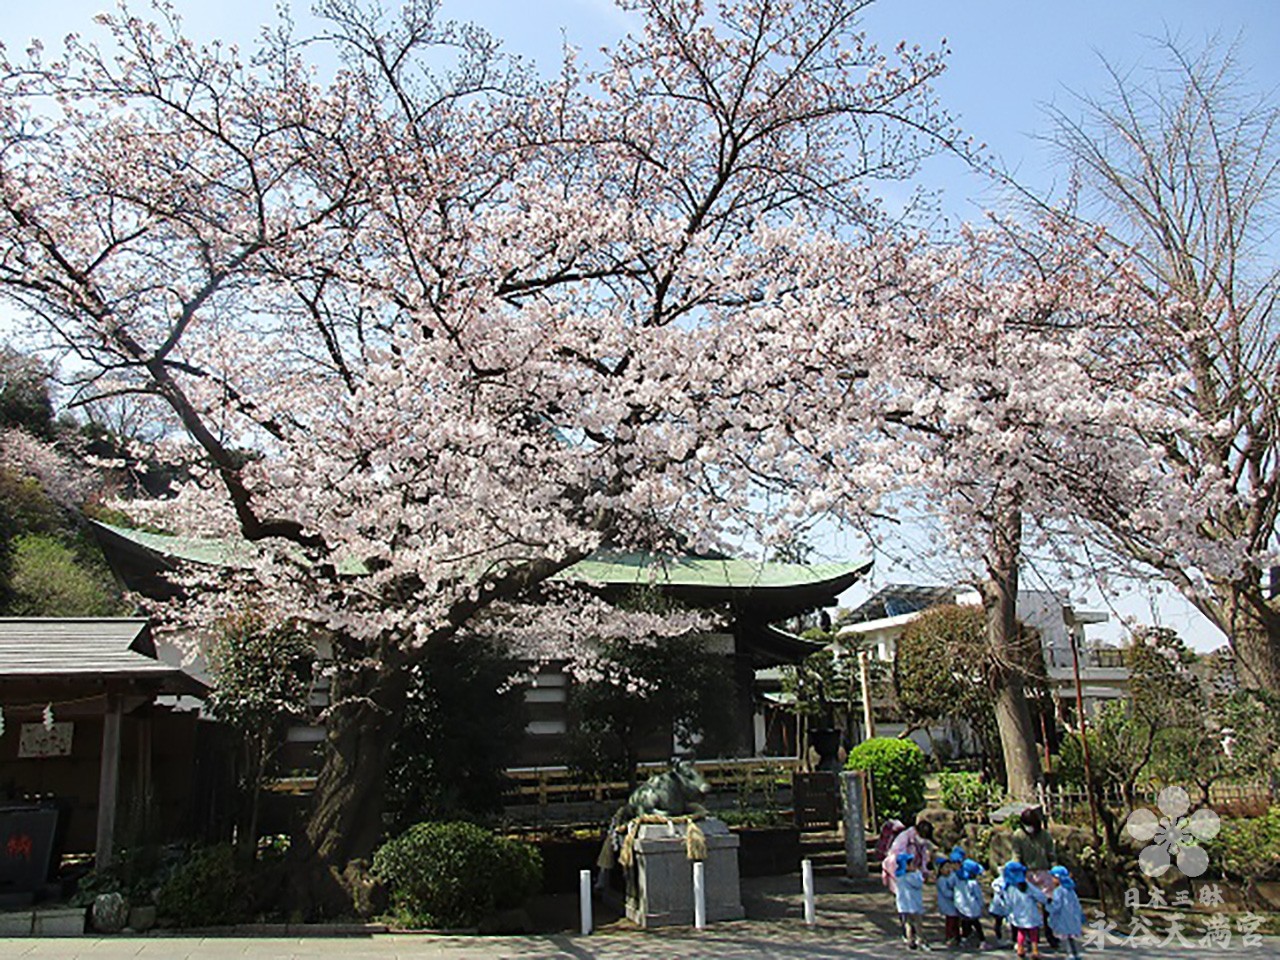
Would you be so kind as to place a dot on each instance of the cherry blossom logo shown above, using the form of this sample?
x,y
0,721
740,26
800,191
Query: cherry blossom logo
x,y
1175,836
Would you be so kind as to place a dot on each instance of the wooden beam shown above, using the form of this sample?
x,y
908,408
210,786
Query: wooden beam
x,y
145,722
108,782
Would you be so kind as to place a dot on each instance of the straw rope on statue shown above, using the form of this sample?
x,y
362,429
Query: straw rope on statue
x,y
665,798
695,841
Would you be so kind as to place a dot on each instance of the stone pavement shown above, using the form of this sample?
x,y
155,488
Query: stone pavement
x,y
852,923
730,941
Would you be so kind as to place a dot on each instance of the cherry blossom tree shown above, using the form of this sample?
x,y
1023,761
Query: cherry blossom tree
x,y
437,330
1006,384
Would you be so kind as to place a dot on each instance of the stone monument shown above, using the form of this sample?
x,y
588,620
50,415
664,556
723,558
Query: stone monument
x,y
657,837
852,790
660,882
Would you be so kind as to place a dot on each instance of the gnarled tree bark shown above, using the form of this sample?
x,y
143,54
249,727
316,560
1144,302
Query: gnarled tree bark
x,y
332,850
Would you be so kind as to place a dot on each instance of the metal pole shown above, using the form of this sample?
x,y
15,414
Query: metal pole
x,y
699,894
1084,735
868,720
1044,736
584,900
806,875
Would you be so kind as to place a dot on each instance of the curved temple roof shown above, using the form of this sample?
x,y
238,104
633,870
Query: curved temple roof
x,y
771,591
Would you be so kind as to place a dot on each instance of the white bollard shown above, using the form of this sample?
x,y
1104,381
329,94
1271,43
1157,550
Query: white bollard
x,y
699,894
584,900
806,878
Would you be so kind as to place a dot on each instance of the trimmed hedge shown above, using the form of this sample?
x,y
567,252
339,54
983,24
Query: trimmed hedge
x,y
207,890
455,874
897,775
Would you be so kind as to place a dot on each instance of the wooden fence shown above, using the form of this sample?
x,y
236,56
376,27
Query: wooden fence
x,y
549,785
1071,804
1226,799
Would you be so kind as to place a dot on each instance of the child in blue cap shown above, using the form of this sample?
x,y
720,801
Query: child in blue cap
x,y
969,901
999,908
1023,901
948,877
1066,917
910,898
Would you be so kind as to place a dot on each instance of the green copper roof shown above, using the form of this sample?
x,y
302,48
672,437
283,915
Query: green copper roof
x,y
237,554
606,567
645,569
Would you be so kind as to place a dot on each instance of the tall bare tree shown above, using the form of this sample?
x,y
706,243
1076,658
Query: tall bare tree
x,y
1180,168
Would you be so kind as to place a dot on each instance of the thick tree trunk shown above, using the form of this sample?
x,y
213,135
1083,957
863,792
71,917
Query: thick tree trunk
x,y
1000,603
332,851
1252,626
1017,739
1257,658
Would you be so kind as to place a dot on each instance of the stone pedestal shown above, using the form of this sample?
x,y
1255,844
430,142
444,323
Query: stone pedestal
x,y
660,886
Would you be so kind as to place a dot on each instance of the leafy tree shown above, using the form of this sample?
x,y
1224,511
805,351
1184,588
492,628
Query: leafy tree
x,y
28,508
1204,725
50,579
1247,723
822,686
669,686
262,681
945,668
825,689
49,566
463,726
1165,729
1219,730
25,402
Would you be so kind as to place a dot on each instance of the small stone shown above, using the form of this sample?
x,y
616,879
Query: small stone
x,y
142,918
110,912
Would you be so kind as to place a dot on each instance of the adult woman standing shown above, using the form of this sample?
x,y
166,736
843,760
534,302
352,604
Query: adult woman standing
x,y
1033,848
917,841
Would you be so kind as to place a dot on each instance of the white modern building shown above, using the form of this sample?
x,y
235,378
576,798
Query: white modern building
x,y
876,625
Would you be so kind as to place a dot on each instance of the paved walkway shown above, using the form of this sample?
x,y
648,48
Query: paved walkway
x,y
852,923
731,941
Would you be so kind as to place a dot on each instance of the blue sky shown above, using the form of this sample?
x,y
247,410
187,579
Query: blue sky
x,y
1008,59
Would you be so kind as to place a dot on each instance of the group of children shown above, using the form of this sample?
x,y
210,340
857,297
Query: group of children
x,y
961,901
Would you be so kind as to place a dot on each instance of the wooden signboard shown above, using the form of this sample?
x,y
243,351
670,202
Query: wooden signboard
x,y
35,741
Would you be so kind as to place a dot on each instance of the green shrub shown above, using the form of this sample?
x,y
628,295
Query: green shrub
x,y
1249,847
966,791
1068,766
897,775
453,874
205,891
